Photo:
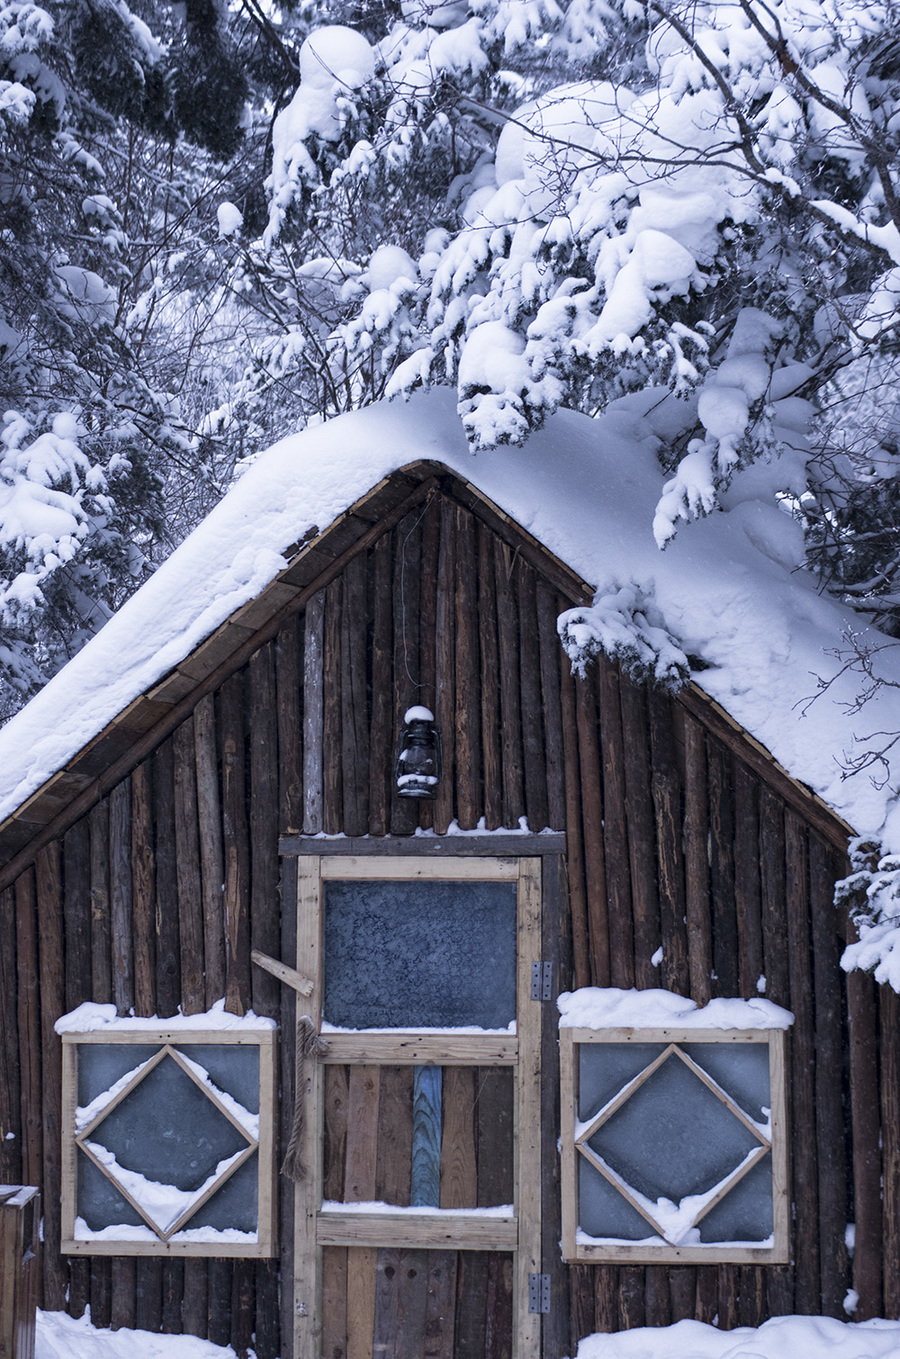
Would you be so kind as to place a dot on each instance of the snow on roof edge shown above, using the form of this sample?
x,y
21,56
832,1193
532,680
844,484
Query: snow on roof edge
x,y
729,589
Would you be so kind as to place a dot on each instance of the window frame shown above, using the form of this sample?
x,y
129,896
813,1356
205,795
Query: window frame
x,y
614,1251
162,1037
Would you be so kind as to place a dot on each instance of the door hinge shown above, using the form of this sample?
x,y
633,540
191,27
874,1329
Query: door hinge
x,y
539,1292
541,981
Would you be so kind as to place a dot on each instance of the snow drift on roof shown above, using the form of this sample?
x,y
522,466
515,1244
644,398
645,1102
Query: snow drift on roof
x,y
729,592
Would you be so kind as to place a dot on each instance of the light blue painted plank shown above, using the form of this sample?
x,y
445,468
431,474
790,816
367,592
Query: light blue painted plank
x,y
425,1182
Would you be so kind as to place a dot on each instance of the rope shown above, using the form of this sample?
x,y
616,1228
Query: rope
x,y
310,1045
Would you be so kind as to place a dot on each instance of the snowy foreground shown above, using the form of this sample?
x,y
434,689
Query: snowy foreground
x,y
59,1337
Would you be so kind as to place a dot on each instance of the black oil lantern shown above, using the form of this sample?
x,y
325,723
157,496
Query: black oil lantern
x,y
418,770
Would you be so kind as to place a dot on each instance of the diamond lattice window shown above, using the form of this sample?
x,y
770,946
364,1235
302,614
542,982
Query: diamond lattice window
x,y
673,1145
169,1142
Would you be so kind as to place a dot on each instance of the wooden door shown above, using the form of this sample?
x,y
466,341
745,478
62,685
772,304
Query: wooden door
x,y
418,1223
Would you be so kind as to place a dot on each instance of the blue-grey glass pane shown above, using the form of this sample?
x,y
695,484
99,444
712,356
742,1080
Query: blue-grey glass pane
x,y
99,1201
100,1065
605,1068
231,1067
602,1211
420,954
740,1068
745,1213
673,1137
235,1204
168,1130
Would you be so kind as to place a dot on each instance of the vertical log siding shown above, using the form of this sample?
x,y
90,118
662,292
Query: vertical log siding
x,y
685,868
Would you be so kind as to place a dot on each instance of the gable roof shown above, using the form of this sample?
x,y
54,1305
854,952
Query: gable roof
x,y
729,591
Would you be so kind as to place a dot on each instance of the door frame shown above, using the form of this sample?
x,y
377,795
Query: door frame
x,y
507,857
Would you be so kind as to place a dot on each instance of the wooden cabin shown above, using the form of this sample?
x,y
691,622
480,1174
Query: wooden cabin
x,y
236,830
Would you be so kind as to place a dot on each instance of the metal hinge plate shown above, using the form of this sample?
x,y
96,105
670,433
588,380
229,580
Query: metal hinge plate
x,y
539,1292
541,981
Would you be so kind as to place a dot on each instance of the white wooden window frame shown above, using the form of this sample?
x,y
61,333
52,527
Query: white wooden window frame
x,y
453,1229
168,1041
608,1251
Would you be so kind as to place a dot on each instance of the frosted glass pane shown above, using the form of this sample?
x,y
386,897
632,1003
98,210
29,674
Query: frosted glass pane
x,y
602,1211
168,1130
673,1136
740,1068
99,1201
420,954
100,1065
605,1068
235,1204
745,1213
233,1068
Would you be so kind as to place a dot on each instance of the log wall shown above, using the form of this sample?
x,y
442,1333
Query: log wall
x,y
691,864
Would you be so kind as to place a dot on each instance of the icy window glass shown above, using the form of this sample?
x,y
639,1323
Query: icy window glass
x,y
420,954
674,1142
167,1139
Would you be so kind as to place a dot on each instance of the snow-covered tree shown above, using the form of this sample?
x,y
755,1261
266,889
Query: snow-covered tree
x,y
605,197
87,421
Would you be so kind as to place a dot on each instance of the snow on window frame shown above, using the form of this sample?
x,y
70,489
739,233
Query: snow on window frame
x,y
670,1022
98,1025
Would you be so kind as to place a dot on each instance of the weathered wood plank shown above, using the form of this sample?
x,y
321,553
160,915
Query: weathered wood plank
x,y
666,793
747,887
381,732
212,858
407,677
802,1067
235,845
721,872
467,738
490,681
313,712
336,1096
578,906
534,767
889,1015
510,687
829,1049
696,862
425,1158
592,812
101,965
28,1023
54,993
642,847
395,1122
551,661
494,1112
120,897
187,872
332,735
440,1307
867,1167
10,1107
773,905
290,731
77,913
143,892
168,948
265,931
354,700
444,808
459,1175
618,873
334,1302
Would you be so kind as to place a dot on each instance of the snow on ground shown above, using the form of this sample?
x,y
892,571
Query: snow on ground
x,y
59,1337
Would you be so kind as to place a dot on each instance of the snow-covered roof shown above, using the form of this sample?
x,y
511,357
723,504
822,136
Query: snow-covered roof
x,y
729,591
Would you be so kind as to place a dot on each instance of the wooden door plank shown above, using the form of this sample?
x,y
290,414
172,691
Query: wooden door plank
x,y
307,1320
440,1307
459,1182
